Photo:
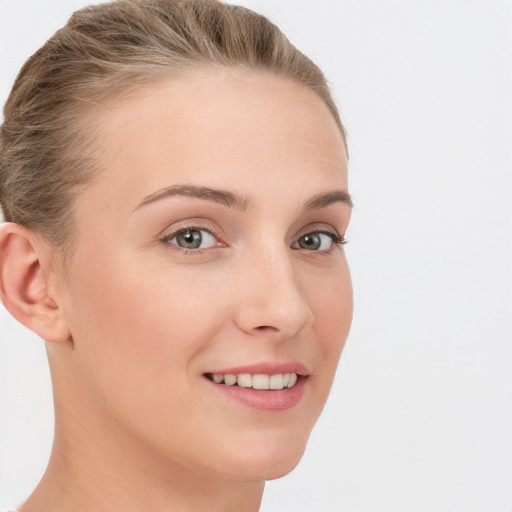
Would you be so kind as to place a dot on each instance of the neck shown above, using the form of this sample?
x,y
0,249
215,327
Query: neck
x,y
88,471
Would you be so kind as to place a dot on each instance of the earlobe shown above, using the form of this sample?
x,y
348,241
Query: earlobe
x,y
24,284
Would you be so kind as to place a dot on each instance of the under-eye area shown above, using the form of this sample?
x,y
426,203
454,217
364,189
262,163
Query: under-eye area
x,y
256,381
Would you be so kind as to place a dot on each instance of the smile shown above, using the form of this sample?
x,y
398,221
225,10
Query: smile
x,y
266,386
255,381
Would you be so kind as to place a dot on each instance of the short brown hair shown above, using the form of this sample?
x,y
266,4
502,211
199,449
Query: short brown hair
x,y
102,52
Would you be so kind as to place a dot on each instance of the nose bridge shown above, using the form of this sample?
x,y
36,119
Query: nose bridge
x,y
272,300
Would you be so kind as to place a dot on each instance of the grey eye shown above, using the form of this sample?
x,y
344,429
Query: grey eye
x,y
314,242
193,239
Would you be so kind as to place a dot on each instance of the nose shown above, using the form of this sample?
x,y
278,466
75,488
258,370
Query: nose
x,y
271,302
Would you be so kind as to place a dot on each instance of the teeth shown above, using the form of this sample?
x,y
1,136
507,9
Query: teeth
x,y
244,380
261,382
276,381
258,381
229,379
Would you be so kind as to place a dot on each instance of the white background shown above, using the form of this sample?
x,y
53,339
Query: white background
x,y
420,417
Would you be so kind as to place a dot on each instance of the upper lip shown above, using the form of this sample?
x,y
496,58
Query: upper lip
x,y
266,368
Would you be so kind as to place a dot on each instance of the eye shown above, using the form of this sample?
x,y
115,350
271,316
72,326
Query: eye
x,y
192,239
318,241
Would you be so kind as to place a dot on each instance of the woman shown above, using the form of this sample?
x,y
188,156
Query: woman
x,y
173,176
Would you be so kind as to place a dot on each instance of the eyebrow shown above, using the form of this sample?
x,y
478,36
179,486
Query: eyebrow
x,y
324,199
223,197
238,201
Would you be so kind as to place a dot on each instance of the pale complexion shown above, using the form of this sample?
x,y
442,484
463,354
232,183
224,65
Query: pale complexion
x,y
255,168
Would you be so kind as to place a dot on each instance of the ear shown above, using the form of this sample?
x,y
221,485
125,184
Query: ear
x,y
24,286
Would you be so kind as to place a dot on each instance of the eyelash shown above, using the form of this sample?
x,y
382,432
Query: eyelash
x,y
335,237
336,240
166,239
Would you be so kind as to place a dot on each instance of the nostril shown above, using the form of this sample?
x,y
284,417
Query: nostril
x,y
265,327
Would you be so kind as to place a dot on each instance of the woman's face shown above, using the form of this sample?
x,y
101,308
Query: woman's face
x,y
209,247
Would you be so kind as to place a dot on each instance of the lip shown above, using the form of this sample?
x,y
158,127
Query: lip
x,y
261,399
266,368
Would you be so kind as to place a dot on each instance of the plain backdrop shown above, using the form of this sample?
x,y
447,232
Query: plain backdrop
x,y
420,416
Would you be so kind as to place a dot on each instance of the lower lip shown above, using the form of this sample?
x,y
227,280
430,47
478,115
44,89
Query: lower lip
x,y
263,399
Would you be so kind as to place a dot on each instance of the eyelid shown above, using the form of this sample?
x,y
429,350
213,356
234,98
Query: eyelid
x,y
183,225
323,229
319,227
191,224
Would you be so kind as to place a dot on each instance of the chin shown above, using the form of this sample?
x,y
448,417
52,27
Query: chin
x,y
268,461
278,470
268,469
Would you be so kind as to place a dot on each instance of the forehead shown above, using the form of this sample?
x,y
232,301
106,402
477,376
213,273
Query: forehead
x,y
215,126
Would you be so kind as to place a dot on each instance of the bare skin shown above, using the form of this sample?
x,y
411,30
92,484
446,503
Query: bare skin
x,y
254,168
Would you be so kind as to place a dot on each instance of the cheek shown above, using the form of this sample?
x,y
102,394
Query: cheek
x,y
137,338
333,317
332,302
136,325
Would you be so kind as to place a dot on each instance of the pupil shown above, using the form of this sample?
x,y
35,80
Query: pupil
x,y
190,239
310,242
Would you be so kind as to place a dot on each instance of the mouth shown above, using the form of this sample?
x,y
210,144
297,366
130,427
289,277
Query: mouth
x,y
265,387
276,382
